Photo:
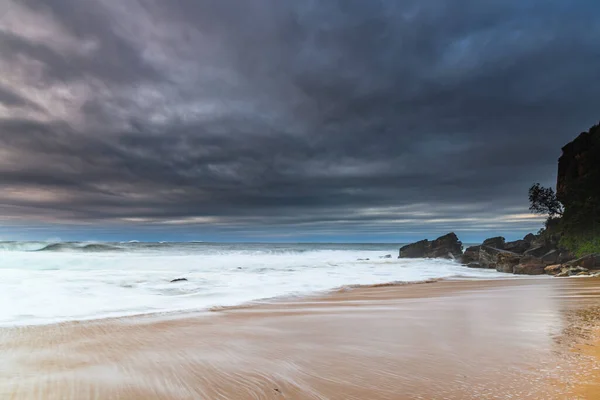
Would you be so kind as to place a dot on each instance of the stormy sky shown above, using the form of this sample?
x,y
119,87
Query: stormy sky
x,y
359,120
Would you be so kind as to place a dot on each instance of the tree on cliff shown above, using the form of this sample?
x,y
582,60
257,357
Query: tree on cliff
x,y
543,201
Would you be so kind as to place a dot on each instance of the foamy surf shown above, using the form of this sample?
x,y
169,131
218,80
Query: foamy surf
x,y
43,283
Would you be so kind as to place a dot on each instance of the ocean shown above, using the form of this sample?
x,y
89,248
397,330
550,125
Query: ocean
x,y
42,283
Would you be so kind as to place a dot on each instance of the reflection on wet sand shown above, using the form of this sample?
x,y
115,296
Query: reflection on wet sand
x,y
520,339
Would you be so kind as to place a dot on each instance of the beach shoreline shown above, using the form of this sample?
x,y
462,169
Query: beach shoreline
x,y
526,338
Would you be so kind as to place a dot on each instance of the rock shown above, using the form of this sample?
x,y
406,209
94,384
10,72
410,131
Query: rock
x,y
495,242
487,256
447,246
583,273
470,255
415,250
474,264
529,269
550,257
553,269
530,237
387,256
574,270
538,251
179,280
565,256
590,261
506,261
562,274
518,246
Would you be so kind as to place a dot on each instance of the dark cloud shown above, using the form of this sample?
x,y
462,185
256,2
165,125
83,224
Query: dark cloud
x,y
376,117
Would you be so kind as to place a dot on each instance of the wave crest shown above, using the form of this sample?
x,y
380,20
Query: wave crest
x,y
78,247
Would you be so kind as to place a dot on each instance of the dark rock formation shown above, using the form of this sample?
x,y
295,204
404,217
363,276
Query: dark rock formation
x,y
591,261
179,280
565,256
538,251
579,167
506,261
447,246
471,254
518,246
529,269
487,256
495,242
530,237
386,256
415,250
550,257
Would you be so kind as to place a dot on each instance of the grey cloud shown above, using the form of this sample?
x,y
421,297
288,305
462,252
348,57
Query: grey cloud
x,y
310,115
11,99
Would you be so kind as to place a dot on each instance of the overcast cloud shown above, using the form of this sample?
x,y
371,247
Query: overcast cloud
x,y
300,120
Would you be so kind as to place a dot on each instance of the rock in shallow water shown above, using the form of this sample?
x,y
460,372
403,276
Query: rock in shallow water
x,y
495,242
179,280
471,255
447,246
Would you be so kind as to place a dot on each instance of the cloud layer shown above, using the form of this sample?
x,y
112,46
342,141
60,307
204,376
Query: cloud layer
x,y
305,119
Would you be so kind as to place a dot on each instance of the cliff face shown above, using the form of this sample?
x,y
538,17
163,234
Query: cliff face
x,y
579,169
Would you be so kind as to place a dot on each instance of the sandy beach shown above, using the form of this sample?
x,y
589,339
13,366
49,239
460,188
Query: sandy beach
x,y
499,339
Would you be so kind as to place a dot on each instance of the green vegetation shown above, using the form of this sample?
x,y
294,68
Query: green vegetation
x,y
581,245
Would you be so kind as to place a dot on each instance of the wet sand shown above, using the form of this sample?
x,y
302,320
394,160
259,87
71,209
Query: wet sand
x,y
504,339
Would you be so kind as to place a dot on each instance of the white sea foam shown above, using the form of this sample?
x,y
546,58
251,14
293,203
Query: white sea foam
x,y
45,283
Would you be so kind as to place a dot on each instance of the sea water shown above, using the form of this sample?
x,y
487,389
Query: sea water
x,y
44,283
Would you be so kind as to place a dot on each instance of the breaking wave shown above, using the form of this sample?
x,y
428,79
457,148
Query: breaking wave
x,y
45,282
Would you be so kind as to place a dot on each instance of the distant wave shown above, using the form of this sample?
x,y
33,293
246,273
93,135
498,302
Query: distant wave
x,y
92,247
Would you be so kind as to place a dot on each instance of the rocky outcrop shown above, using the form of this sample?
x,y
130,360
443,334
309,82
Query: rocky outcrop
x,y
179,280
529,269
487,256
532,255
518,246
495,242
579,168
550,257
447,246
507,261
591,261
538,251
471,255
415,250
